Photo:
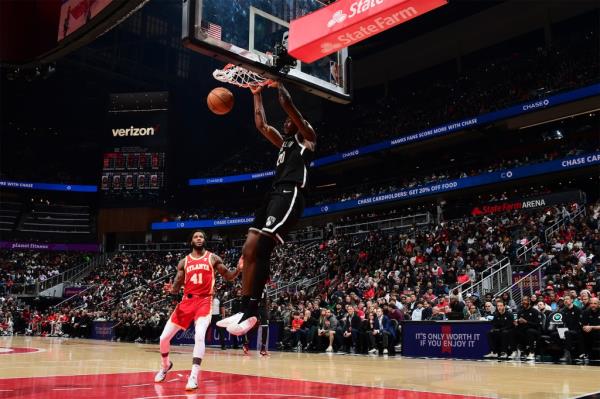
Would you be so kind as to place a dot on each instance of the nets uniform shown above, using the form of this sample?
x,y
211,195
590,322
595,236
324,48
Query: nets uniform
x,y
197,292
283,206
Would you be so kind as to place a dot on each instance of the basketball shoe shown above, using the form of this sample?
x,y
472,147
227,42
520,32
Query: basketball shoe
x,y
162,373
242,328
192,383
226,322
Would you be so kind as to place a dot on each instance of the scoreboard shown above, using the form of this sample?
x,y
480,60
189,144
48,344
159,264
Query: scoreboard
x,y
133,173
136,143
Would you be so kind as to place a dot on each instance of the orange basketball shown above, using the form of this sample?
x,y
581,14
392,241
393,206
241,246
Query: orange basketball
x,y
220,101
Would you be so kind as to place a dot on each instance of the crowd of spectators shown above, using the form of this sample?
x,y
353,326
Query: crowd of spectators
x,y
417,179
430,98
24,268
369,284
403,278
532,154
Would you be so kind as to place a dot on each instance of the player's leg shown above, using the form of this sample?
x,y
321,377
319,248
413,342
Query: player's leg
x,y
264,325
255,280
201,326
281,214
245,344
165,344
249,255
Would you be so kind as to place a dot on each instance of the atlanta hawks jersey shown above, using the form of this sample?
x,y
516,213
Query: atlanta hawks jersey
x,y
199,275
292,162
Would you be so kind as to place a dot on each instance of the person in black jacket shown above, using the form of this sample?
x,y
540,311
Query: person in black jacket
x,y
528,329
366,330
349,330
501,336
590,320
551,343
572,319
310,327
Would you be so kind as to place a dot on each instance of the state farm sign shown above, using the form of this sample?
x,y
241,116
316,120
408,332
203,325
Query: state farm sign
x,y
346,22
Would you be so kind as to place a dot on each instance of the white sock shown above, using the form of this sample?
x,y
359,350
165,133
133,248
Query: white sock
x,y
164,362
195,370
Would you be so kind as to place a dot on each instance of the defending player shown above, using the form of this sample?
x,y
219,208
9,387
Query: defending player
x,y
282,206
197,272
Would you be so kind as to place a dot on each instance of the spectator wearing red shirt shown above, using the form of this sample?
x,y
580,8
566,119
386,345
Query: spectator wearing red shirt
x,y
437,270
462,278
369,293
298,334
360,310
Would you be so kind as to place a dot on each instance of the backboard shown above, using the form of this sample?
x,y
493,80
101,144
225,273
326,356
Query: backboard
x,y
245,33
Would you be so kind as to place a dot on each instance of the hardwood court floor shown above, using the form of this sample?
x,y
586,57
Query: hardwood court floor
x,y
73,368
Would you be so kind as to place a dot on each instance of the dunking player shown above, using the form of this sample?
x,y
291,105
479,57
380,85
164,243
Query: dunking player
x,y
197,272
280,209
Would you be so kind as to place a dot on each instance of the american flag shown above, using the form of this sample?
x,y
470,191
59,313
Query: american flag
x,y
212,30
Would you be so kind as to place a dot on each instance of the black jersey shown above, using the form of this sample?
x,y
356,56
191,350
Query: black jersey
x,y
502,321
292,162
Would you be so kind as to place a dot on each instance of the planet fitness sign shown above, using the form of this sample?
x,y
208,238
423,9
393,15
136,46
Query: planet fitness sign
x,y
49,246
347,22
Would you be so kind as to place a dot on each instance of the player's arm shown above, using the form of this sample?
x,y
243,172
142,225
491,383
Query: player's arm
x,y
179,278
228,274
305,129
260,119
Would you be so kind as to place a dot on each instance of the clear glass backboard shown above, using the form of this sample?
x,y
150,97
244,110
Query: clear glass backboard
x,y
246,32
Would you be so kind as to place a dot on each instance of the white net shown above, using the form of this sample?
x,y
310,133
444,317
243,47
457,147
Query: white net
x,y
236,75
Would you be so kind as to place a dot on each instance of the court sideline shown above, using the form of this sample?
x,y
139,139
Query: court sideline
x,y
103,368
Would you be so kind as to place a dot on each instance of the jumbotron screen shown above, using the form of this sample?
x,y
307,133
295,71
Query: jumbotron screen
x,y
132,173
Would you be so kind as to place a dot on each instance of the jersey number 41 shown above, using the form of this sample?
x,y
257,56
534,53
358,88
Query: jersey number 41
x,y
196,278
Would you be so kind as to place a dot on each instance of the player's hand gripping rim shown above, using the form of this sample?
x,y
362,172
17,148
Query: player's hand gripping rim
x,y
268,83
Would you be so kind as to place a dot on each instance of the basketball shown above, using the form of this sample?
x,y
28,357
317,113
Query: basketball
x,y
220,101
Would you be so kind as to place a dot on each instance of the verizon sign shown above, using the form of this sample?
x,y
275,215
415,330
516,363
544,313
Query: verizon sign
x,y
135,131
346,22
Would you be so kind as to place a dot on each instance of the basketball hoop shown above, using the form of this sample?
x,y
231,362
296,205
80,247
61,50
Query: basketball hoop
x,y
236,75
